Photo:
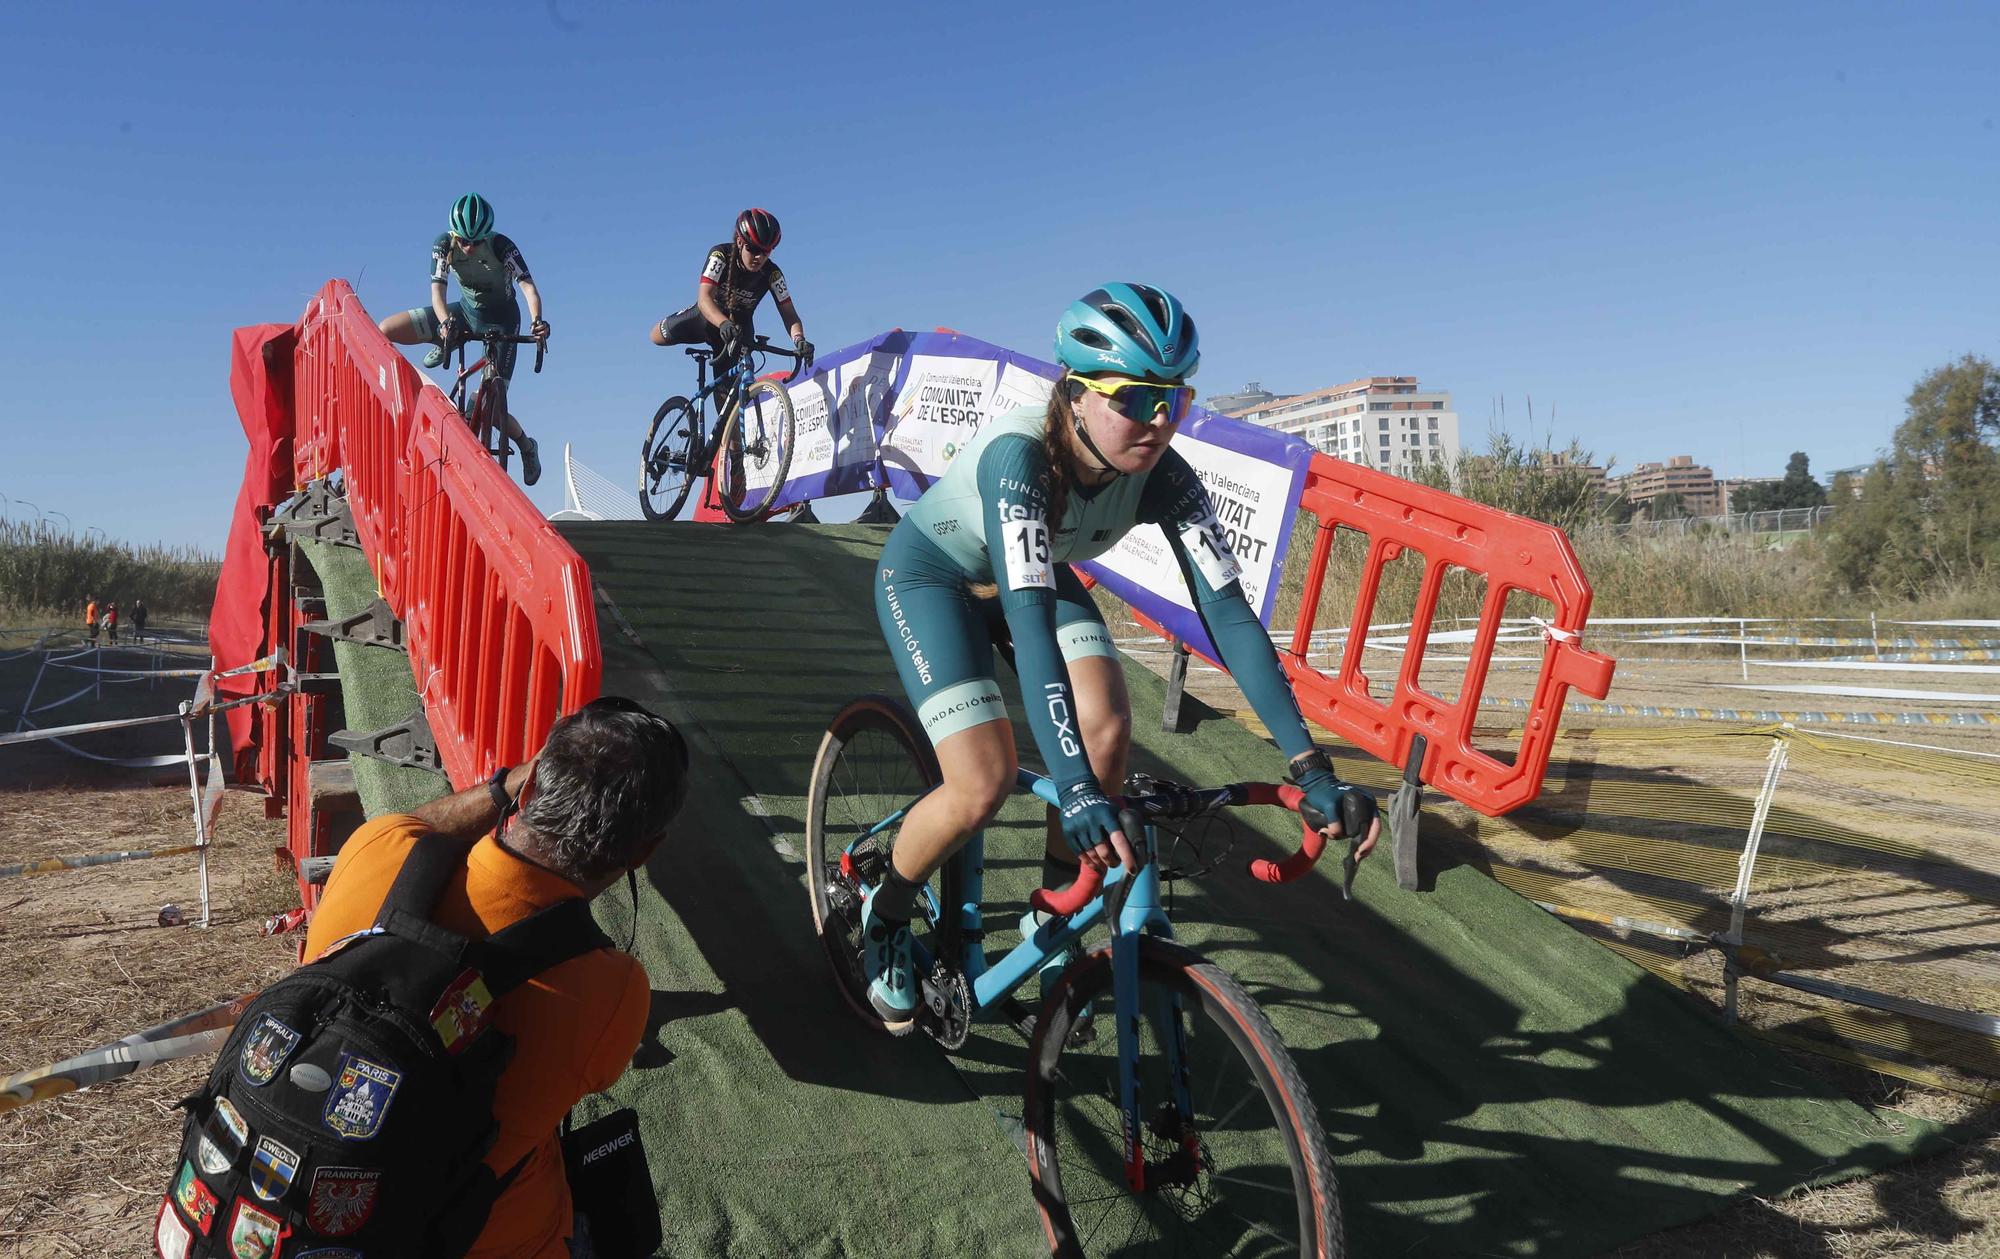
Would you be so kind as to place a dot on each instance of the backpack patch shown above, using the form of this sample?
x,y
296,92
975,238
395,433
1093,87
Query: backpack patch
x,y
171,1238
342,1199
197,1201
360,1097
254,1234
273,1167
270,1043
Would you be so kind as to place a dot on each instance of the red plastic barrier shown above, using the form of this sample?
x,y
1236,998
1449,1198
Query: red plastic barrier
x,y
1512,553
496,607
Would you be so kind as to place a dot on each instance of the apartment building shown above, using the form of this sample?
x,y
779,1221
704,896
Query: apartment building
x,y
1696,485
1386,422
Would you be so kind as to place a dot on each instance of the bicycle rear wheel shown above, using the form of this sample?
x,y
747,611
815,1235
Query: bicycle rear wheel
x,y
667,462
873,763
759,440
1246,1174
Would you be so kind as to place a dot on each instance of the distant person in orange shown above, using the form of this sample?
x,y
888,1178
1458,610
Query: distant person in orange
x,y
594,803
111,622
90,618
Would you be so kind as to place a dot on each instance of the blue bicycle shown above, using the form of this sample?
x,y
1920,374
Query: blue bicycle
x,y
1186,1131
756,428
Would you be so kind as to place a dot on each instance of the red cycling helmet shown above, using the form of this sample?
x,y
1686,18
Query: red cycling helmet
x,y
758,229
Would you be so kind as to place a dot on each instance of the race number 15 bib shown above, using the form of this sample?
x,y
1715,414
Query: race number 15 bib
x,y
1028,565
1208,546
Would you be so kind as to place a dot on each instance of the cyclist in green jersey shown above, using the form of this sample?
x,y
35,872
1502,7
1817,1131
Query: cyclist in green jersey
x,y
986,553
488,266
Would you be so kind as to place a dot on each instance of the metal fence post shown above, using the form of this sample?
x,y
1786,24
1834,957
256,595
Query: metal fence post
x,y
1774,769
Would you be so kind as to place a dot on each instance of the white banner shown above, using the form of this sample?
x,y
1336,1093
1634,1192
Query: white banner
x,y
939,409
1249,495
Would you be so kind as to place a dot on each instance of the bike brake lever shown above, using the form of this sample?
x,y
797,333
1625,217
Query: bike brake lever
x,y
1349,863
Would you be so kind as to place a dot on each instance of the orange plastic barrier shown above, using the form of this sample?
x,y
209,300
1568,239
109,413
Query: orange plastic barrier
x,y
1511,553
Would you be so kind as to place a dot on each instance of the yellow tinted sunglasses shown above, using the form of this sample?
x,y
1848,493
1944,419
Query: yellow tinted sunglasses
x,y
1142,401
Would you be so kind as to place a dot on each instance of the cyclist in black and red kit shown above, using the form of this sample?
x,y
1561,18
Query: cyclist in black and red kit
x,y
734,279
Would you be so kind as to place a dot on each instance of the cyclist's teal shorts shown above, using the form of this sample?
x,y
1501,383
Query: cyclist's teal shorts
x,y
505,318
942,635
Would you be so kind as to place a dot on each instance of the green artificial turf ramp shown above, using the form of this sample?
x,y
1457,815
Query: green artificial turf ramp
x,y
376,688
1492,1082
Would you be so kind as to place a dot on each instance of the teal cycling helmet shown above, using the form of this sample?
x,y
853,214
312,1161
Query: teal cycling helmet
x,y
471,217
1132,329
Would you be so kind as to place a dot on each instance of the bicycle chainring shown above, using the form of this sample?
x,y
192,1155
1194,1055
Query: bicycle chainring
x,y
946,1015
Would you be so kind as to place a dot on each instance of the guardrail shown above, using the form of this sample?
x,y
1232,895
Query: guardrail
x,y
496,608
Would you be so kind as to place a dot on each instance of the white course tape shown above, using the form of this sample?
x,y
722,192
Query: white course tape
x,y
1877,666
1871,692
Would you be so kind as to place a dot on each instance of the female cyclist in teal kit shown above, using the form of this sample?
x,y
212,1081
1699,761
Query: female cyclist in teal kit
x,y
992,541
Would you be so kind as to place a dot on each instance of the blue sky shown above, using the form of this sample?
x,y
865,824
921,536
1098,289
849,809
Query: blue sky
x,y
1729,231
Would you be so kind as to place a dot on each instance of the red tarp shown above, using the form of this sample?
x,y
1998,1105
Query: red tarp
x,y
260,381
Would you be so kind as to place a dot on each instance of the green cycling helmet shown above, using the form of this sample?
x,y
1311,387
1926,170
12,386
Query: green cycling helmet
x,y
471,217
1133,329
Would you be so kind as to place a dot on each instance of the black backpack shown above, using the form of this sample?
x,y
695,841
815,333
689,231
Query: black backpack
x,y
351,1108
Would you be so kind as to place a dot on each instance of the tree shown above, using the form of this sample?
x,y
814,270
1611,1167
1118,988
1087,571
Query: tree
x,y
1798,489
1538,482
1929,513
1666,506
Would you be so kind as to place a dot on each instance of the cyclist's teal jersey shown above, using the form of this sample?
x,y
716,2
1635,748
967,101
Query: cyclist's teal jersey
x,y
986,516
487,275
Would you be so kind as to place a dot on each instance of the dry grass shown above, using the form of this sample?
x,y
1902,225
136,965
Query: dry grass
x,y
84,1171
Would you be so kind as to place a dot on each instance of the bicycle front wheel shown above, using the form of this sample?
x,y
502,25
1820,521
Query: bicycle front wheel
x,y
873,764
491,406
667,468
1240,1167
759,441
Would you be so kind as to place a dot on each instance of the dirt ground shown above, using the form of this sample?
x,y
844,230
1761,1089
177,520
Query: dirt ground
x,y
82,1173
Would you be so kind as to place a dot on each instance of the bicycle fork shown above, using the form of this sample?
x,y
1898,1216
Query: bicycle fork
x,y
1136,913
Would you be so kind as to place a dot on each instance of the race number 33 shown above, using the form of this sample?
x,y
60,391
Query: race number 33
x,y
1028,566
1208,546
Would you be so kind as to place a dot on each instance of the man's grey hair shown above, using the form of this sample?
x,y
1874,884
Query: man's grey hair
x,y
609,779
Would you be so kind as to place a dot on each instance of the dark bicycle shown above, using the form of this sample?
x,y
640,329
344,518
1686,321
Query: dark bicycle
x,y
488,416
755,425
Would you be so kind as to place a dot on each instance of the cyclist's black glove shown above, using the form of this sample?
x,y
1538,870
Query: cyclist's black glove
x,y
805,349
539,328
1088,817
1329,800
451,333
725,332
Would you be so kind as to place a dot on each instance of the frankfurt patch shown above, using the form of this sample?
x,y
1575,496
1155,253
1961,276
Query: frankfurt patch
x,y
273,1165
360,1097
342,1199
197,1201
170,1237
254,1234
270,1043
